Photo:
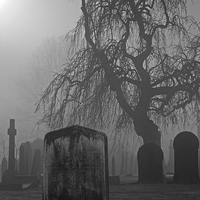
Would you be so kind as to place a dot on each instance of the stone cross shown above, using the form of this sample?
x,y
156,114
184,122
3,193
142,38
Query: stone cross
x,y
11,133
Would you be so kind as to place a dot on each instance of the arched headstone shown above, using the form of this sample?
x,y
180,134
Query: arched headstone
x,y
75,164
150,163
186,146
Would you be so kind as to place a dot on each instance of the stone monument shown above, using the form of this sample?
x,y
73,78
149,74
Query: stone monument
x,y
150,164
186,146
9,174
75,164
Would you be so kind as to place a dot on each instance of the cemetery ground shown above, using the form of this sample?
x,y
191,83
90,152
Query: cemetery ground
x,y
127,190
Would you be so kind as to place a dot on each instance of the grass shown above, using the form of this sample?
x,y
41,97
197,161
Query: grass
x,y
125,191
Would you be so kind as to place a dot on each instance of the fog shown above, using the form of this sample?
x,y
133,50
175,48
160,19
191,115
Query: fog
x,y
23,27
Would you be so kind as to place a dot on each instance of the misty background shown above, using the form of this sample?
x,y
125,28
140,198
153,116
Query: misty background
x,y
26,27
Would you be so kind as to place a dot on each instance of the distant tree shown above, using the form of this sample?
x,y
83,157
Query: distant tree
x,y
3,146
47,60
133,63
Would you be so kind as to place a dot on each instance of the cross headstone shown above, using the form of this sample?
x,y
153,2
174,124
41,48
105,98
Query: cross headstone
x,y
186,146
11,133
75,164
10,173
150,163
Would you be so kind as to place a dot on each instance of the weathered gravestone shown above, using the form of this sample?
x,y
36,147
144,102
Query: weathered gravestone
x,y
170,165
113,166
186,146
28,156
4,165
75,164
114,179
22,164
36,162
122,171
10,173
150,164
25,159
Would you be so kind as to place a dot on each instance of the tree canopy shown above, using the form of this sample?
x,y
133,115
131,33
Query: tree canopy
x,y
132,62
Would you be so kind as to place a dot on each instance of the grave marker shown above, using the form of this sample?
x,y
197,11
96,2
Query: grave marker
x,y
22,164
25,159
10,173
186,146
11,133
4,165
36,162
113,166
75,164
150,160
28,157
122,163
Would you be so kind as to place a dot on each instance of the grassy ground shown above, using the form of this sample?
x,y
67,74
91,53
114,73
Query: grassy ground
x,y
125,191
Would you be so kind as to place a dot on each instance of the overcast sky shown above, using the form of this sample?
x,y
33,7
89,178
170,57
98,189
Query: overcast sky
x,y
24,24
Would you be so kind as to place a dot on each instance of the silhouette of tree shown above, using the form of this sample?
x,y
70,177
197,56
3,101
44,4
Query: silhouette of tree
x,y
133,62
3,146
47,59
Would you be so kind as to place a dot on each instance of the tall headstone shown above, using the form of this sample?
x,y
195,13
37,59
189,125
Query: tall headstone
x,y
4,165
36,162
41,165
75,164
126,164
150,164
22,164
170,164
186,146
28,156
131,164
11,133
113,166
0,173
10,173
122,171
135,165
25,159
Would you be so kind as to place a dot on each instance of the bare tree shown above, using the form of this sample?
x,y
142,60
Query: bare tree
x,y
133,63
47,60
3,146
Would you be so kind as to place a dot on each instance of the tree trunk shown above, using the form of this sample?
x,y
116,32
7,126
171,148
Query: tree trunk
x,y
146,128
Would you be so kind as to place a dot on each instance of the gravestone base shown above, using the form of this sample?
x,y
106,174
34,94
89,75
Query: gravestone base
x,y
12,181
9,176
10,187
23,179
114,180
186,181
